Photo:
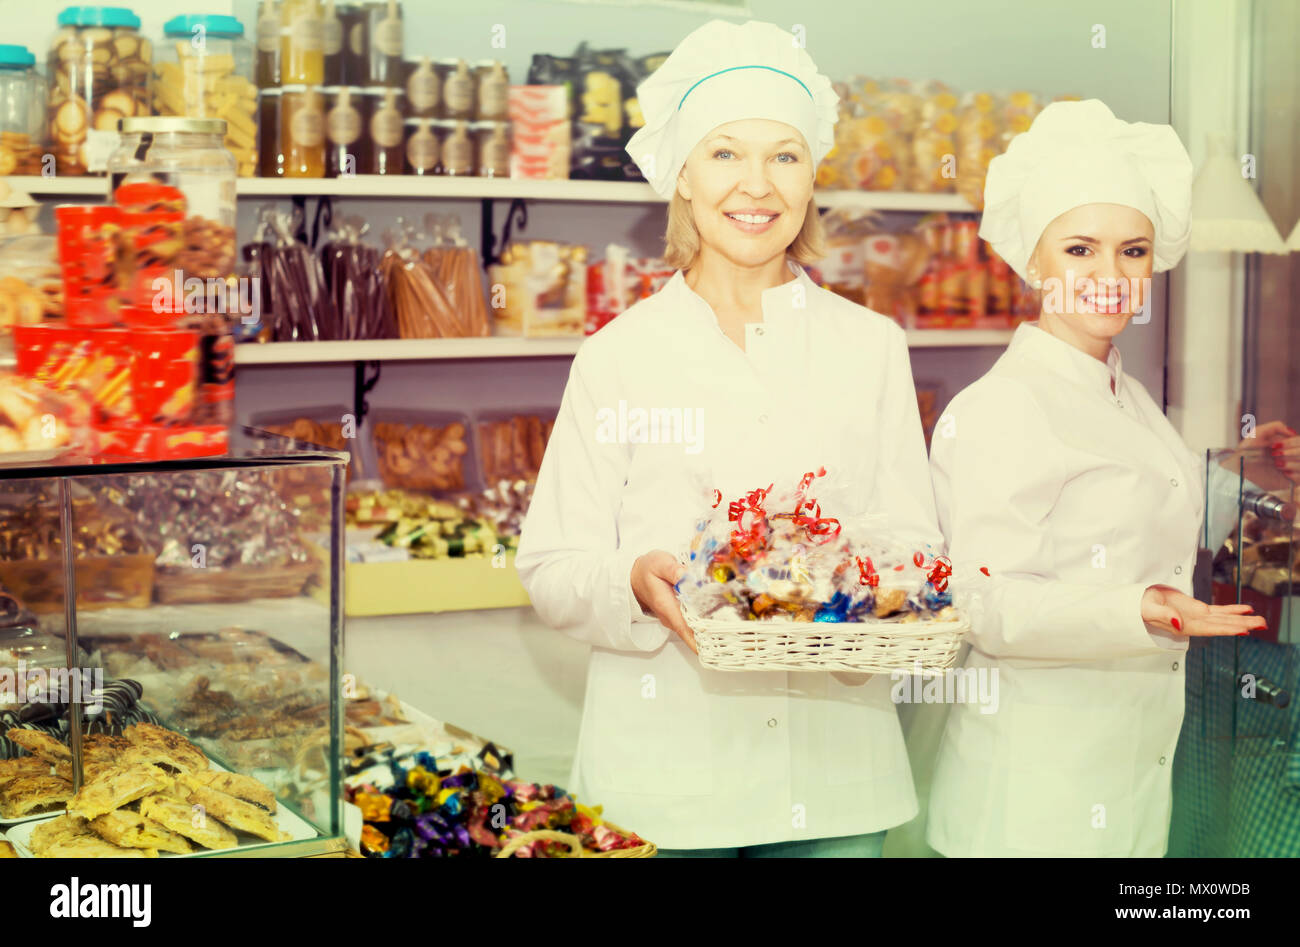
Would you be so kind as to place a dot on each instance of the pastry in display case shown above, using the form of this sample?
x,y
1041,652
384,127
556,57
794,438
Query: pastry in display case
x,y
203,691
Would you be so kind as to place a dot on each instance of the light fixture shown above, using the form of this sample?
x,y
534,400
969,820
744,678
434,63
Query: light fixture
x,y
1227,214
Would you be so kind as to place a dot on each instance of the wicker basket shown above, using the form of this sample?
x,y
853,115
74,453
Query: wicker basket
x,y
879,647
648,850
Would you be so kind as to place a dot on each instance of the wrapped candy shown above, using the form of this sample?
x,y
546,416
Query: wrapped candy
x,y
776,555
430,811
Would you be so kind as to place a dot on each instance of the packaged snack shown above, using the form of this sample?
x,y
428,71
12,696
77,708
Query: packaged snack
x,y
540,132
979,141
455,266
512,446
428,454
545,289
34,418
164,374
617,282
934,145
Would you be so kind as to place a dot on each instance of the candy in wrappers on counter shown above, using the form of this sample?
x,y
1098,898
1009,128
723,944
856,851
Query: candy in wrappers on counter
x,y
433,812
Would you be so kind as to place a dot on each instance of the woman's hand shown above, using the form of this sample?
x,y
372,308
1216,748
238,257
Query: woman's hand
x,y
1283,449
1171,610
653,578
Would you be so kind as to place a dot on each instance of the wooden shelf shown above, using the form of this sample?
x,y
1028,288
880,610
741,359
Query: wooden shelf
x,y
396,186
67,186
389,350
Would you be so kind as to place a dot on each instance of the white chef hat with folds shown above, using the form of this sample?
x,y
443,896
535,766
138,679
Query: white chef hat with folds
x,y
1078,153
724,72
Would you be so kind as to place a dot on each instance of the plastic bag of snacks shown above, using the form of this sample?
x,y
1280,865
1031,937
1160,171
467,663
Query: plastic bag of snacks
x,y
455,265
618,281
934,143
979,141
419,301
545,289
428,451
352,281
35,419
775,581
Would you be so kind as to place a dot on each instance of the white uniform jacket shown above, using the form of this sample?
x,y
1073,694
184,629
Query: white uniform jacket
x,y
1076,499
688,757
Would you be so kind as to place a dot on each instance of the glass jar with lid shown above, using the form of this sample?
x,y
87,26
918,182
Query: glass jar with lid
x,y
387,43
269,30
302,42
458,89
188,154
492,149
458,146
492,90
347,131
387,132
22,112
354,65
270,149
97,71
423,89
423,146
302,131
205,70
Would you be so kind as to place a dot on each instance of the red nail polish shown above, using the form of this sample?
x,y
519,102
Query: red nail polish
x,y
1178,626
984,569
1240,633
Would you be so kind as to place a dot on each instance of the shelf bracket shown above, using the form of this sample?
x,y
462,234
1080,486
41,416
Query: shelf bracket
x,y
362,386
516,216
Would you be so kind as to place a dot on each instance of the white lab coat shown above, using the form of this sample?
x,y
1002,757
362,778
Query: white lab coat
x,y
689,757
1076,499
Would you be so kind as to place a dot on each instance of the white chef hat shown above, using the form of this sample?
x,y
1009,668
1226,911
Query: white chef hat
x,y
722,73
1078,153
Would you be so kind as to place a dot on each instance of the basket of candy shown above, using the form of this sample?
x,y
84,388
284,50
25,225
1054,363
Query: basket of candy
x,y
774,585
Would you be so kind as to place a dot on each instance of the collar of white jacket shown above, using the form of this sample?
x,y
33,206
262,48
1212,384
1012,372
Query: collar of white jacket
x,y
725,72
1078,153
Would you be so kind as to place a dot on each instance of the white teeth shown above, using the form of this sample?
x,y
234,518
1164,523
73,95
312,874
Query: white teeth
x,y
750,218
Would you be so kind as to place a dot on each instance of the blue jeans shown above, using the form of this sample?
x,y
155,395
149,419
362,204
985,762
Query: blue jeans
x,y
844,846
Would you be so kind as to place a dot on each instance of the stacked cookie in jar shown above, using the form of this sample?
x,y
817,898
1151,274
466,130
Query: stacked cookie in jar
x,y
98,72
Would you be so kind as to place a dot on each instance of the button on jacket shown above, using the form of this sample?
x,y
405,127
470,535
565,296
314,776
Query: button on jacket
x,y
1076,498
689,757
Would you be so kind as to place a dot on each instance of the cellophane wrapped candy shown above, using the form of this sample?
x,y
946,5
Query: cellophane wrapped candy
x,y
775,554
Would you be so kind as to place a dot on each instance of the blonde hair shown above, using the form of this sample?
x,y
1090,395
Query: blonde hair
x,y
682,239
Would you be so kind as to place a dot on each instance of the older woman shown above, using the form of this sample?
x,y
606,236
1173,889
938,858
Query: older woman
x,y
1060,476
777,377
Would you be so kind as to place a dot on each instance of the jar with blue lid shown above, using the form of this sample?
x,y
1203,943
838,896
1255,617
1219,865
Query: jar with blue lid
x,y
22,112
204,69
98,72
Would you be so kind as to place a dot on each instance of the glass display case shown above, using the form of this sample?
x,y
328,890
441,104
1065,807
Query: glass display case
x,y
188,696
1236,779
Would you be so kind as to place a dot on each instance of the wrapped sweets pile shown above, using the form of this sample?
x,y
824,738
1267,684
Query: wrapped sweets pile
x,y
415,806
774,555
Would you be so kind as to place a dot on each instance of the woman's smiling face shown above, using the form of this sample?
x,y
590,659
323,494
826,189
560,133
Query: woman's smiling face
x,y
1095,262
749,183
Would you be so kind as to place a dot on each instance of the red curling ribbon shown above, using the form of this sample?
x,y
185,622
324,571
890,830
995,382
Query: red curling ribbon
x,y
985,570
748,541
938,576
717,497
898,568
867,573
918,559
